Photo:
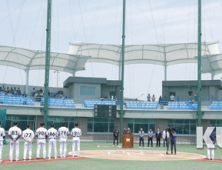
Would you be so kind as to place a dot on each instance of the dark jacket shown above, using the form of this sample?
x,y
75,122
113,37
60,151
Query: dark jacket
x,y
115,132
158,136
213,136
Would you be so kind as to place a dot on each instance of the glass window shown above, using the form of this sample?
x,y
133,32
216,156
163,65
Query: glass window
x,y
182,126
216,123
136,124
87,90
100,125
22,121
70,122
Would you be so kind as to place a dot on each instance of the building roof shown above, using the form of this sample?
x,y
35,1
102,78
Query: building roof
x,y
163,54
28,59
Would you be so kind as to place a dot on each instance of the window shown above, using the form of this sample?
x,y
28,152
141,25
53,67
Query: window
x,y
87,90
102,125
22,121
182,126
58,120
136,124
216,123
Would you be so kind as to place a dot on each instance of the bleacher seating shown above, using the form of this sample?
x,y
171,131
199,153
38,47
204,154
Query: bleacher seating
x,y
91,103
59,102
141,105
16,100
216,105
185,105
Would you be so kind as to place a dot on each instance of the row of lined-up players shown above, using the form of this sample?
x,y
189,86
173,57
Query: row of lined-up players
x,y
41,134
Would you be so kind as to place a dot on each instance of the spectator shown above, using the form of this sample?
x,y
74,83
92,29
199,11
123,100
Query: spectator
x,y
164,100
191,100
160,99
33,91
41,91
24,94
124,130
7,90
128,130
172,98
3,87
153,98
101,98
11,90
19,91
15,91
148,97
195,95
190,92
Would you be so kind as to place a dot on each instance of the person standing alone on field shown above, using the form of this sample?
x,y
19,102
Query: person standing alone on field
x,y
210,151
115,136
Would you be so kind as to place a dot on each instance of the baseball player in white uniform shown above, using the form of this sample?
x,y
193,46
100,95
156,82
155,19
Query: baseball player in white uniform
x,y
63,133
52,134
14,134
28,136
41,133
76,133
2,136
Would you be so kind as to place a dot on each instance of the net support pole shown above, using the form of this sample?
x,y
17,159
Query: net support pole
x,y
47,60
165,65
27,82
122,72
199,113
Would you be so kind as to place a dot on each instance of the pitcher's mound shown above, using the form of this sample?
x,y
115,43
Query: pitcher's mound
x,y
139,155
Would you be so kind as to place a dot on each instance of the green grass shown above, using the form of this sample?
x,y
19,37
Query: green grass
x,y
100,164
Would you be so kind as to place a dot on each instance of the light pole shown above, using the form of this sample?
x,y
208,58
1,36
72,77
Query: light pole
x,y
57,71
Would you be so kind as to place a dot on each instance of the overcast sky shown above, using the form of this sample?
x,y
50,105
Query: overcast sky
x,y
23,24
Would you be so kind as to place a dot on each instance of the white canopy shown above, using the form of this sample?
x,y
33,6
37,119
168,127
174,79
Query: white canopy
x,y
28,59
212,64
163,54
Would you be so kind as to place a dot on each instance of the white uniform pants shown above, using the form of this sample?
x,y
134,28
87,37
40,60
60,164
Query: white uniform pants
x,y
75,143
14,145
27,147
1,146
52,144
41,145
210,153
63,148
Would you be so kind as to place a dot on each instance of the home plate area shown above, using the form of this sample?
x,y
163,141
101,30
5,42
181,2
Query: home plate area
x,y
139,155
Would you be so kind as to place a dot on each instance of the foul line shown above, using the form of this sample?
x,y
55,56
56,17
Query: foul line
x,y
21,161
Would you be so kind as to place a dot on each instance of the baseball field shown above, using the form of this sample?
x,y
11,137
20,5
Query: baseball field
x,y
105,156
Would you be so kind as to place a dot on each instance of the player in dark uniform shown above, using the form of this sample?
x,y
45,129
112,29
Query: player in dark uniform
x,y
115,135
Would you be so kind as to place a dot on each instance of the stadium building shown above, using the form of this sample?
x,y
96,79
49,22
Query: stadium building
x,y
75,102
